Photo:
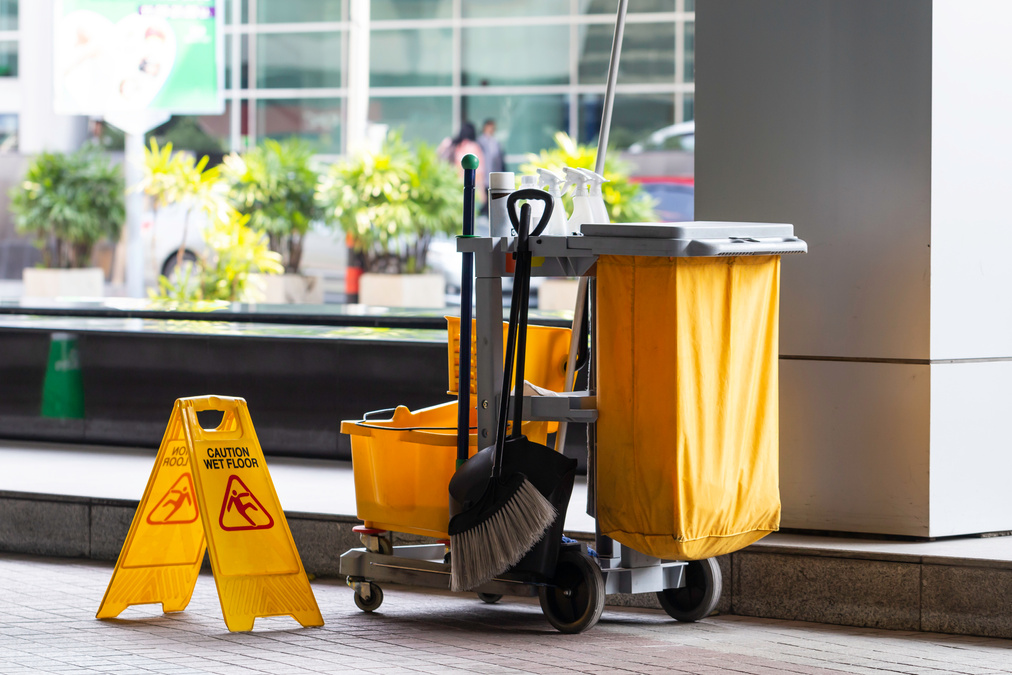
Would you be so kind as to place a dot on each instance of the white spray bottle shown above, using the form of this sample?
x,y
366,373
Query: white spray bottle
x,y
556,186
582,210
596,197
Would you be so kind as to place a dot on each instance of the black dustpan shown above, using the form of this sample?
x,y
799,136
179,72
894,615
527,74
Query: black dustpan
x,y
472,494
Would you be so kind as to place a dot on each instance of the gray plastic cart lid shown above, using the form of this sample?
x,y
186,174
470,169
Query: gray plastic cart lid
x,y
690,230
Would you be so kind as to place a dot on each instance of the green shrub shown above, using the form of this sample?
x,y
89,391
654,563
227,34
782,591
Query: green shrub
x,y
275,185
68,202
392,202
234,251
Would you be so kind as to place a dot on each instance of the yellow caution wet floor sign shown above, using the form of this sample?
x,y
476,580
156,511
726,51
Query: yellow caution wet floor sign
x,y
211,488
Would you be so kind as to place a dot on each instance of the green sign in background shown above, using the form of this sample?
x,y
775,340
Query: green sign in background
x,y
193,84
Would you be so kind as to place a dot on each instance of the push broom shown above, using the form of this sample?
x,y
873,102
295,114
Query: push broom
x,y
502,515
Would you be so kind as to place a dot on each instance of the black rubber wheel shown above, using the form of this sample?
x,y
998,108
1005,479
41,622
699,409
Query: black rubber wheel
x,y
371,603
489,598
575,600
169,266
698,597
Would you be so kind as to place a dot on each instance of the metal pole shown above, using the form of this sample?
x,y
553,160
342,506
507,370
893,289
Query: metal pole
x,y
134,161
470,165
609,94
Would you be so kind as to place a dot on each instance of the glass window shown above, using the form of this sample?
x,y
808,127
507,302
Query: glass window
x,y
689,74
9,14
689,109
298,60
410,9
690,5
637,6
316,120
8,58
298,11
524,123
406,58
634,117
516,55
243,61
510,8
423,118
8,133
648,53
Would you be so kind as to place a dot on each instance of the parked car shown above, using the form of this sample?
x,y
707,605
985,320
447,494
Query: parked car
x,y
675,197
324,252
669,151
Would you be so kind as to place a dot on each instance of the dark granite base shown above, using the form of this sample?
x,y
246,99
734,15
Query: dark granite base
x,y
945,595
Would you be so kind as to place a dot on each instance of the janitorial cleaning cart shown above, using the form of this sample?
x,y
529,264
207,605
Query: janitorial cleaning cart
x,y
681,411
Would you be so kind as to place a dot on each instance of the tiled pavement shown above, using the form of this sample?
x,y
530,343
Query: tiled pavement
x,y
47,607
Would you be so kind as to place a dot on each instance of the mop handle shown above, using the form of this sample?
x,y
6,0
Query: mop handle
x,y
469,164
609,92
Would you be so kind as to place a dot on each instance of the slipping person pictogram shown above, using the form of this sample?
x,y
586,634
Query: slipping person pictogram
x,y
241,510
177,507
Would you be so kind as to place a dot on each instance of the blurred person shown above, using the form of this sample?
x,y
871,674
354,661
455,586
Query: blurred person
x,y
494,157
465,143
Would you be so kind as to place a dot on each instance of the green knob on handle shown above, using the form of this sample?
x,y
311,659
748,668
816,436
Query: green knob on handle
x,y
469,162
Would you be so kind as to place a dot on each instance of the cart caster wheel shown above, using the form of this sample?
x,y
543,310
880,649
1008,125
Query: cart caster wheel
x,y
371,603
576,599
489,598
385,547
698,597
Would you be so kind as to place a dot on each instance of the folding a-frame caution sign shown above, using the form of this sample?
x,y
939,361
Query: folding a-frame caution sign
x,y
211,489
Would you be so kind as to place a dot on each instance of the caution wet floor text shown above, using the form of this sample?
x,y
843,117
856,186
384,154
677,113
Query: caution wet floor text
x,y
211,489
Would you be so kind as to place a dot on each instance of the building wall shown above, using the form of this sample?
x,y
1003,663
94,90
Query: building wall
x,y
880,131
817,113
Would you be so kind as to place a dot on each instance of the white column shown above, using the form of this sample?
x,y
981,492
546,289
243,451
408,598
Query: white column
x,y
880,130
357,104
40,129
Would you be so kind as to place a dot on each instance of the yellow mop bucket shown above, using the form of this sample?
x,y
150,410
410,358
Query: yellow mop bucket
x,y
403,466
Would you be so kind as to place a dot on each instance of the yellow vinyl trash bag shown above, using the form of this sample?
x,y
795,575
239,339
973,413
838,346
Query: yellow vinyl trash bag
x,y
688,430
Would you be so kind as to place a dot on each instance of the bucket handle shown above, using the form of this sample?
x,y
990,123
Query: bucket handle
x,y
386,411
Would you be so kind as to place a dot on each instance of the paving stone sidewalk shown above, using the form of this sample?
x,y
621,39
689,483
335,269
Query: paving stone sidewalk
x,y
47,625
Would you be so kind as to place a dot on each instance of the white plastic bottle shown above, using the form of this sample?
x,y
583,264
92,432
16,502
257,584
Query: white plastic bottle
x,y
596,197
500,186
582,210
556,186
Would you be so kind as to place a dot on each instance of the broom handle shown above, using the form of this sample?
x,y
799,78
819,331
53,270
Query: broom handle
x,y
507,375
523,259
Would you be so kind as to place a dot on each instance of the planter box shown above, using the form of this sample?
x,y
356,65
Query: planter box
x,y
287,289
402,290
40,282
558,294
